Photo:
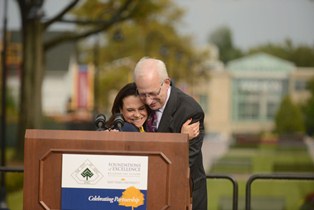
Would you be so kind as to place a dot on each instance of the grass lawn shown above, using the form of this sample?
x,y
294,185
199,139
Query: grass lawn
x,y
265,194
290,194
15,200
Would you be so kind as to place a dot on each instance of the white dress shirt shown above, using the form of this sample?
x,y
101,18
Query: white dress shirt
x,y
160,111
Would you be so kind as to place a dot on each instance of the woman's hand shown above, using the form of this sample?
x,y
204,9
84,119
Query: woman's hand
x,y
111,130
193,130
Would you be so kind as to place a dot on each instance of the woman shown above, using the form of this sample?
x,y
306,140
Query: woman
x,y
130,106
135,112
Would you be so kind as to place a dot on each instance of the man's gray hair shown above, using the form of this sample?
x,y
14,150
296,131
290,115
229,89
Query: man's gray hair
x,y
161,67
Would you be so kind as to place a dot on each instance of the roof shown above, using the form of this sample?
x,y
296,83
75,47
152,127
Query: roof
x,y
57,58
260,62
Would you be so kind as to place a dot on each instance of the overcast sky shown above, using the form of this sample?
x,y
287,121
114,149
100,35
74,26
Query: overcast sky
x,y
252,22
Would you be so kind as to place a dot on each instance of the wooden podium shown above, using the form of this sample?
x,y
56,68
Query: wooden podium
x,y
168,166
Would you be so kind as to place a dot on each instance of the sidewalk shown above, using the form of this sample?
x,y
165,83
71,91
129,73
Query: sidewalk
x,y
213,149
310,146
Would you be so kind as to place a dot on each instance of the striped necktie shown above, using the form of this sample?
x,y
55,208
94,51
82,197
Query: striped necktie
x,y
151,123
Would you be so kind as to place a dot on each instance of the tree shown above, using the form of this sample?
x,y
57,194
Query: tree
x,y
106,13
289,119
123,45
301,55
222,38
309,109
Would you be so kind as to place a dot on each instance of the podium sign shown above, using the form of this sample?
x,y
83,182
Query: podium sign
x,y
104,182
85,170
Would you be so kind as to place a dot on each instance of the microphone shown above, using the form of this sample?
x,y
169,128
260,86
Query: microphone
x,y
100,122
118,121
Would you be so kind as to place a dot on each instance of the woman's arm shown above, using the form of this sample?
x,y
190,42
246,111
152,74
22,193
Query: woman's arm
x,y
192,130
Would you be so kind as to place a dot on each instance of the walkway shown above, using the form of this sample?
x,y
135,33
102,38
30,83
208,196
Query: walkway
x,y
310,146
213,148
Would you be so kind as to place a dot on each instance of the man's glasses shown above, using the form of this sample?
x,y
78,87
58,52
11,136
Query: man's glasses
x,y
151,94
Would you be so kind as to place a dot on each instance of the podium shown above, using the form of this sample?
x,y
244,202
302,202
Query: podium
x,y
168,184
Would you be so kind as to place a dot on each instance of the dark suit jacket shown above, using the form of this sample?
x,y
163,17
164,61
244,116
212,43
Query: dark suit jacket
x,y
179,108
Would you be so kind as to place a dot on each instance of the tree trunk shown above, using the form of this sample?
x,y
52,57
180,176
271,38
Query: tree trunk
x,y
31,81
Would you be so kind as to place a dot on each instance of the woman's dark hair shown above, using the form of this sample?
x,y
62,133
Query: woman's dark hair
x,y
128,90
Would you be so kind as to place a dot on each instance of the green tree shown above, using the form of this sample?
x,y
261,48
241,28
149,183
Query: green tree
x,y
289,118
11,108
222,38
125,43
301,55
309,109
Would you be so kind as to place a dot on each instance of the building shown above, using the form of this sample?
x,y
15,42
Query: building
x,y
244,96
66,84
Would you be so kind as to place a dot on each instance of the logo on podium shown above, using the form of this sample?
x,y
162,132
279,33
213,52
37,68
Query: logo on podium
x,y
87,173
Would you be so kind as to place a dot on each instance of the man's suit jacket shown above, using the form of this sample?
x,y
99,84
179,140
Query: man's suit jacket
x,y
179,108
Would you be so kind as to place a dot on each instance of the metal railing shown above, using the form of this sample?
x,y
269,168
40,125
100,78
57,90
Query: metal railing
x,y
234,184
19,169
290,176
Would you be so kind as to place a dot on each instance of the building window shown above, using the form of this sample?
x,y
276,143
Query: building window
x,y
257,99
271,110
248,111
300,85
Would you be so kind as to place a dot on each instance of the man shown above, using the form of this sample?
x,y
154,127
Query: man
x,y
173,108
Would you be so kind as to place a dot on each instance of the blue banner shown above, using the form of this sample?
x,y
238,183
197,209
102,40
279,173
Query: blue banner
x,y
99,199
